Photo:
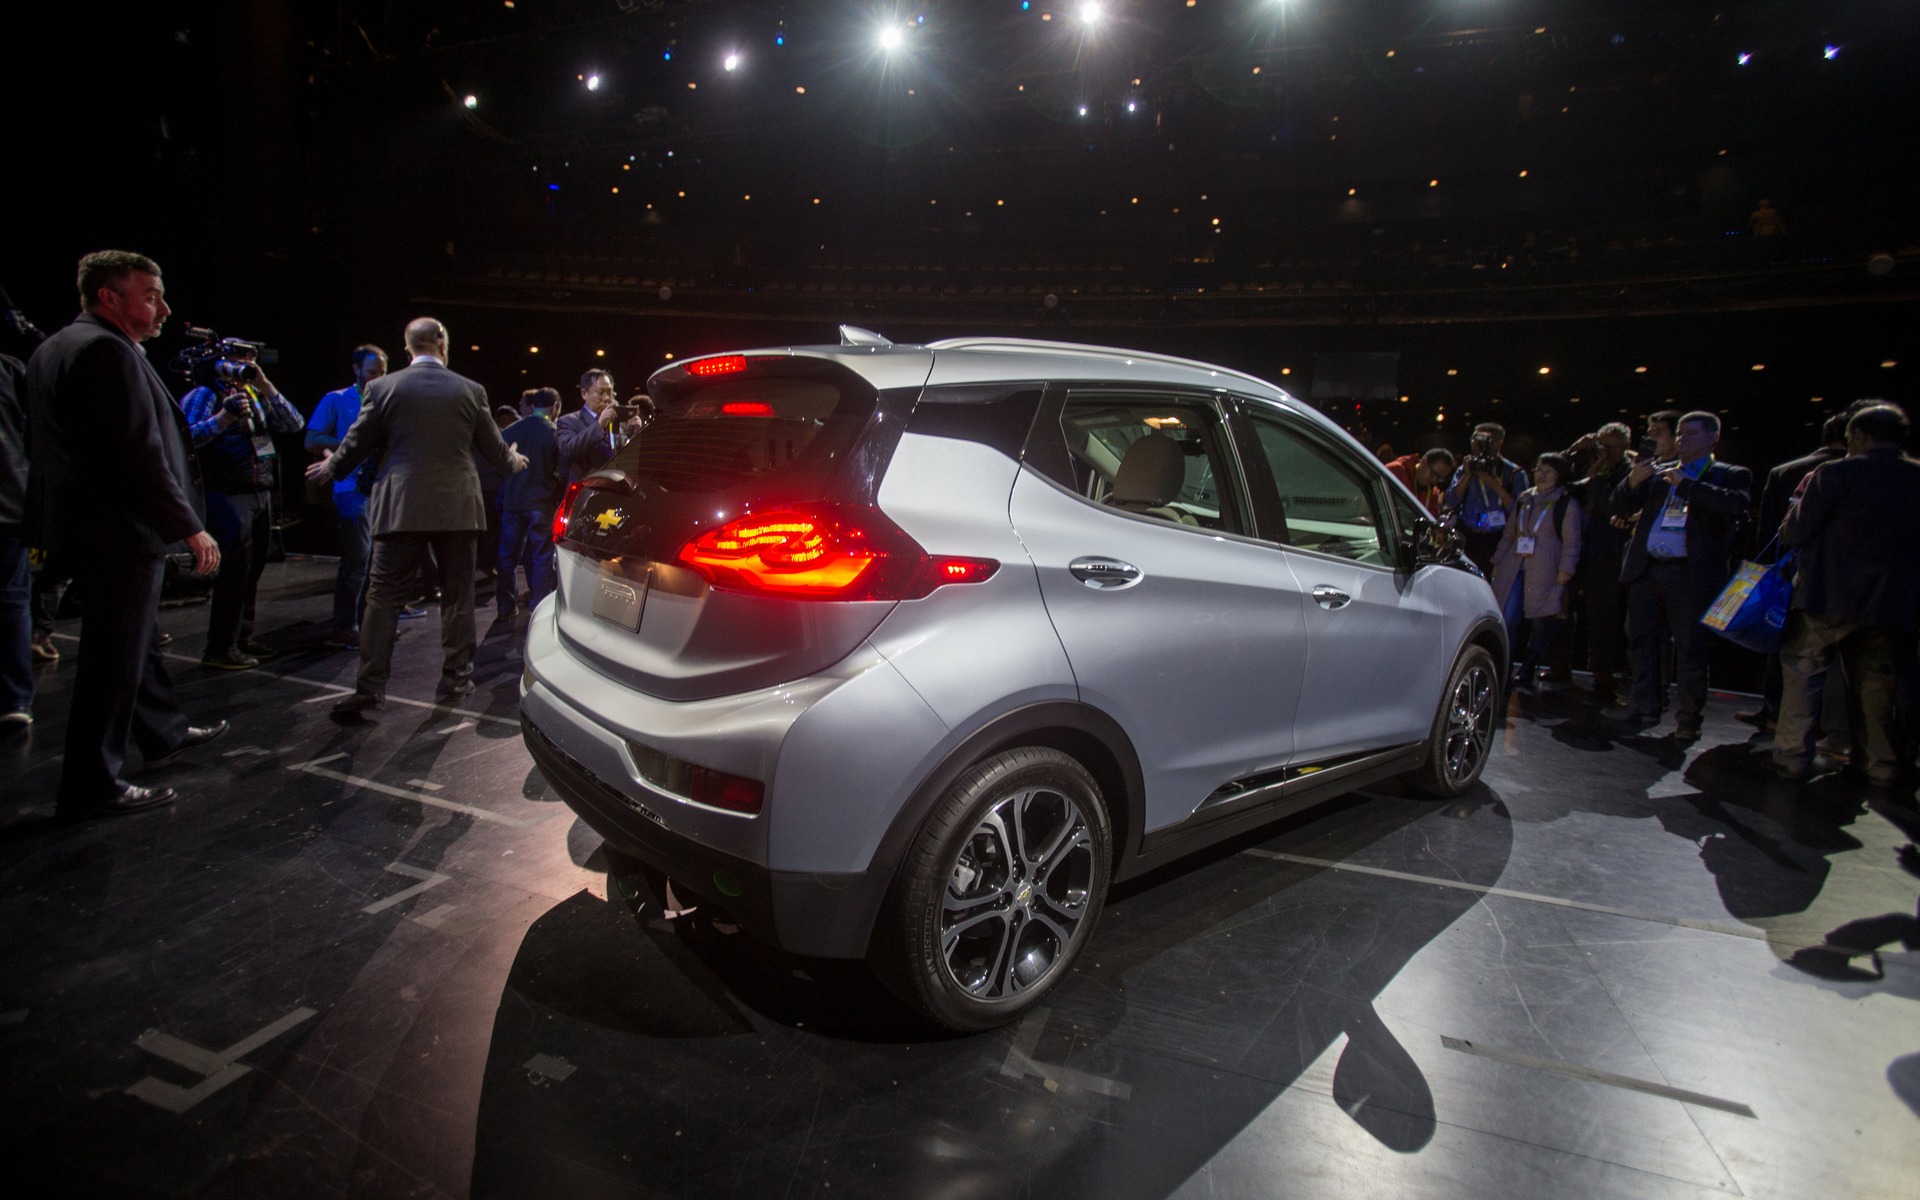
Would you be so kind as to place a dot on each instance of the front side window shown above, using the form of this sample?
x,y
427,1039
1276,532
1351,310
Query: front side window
x,y
1163,458
1327,504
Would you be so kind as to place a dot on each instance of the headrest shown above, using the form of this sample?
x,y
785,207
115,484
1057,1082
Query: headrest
x,y
1151,473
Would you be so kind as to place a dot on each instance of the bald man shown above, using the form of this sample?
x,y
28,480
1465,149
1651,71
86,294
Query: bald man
x,y
425,426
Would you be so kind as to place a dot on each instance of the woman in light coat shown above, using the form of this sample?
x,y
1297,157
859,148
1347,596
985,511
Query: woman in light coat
x,y
1535,562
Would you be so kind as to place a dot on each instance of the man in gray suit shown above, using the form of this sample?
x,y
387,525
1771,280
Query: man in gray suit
x,y
424,426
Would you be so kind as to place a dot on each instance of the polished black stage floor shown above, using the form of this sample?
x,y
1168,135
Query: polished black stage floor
x,y
387,962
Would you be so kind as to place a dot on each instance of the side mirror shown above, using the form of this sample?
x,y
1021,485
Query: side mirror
x,y
1426,541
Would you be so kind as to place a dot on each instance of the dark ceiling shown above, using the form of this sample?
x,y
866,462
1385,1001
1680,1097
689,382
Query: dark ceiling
x,y
1315,174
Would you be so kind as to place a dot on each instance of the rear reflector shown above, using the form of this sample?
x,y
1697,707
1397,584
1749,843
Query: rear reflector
x,y
725,364
825,552
702,785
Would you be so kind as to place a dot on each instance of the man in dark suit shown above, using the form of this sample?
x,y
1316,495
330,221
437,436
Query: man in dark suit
x,y
1676,564
424,426
527,501
589,437
1856,595
1781,486
113,485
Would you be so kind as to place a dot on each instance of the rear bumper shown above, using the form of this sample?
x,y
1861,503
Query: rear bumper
x,y
812,913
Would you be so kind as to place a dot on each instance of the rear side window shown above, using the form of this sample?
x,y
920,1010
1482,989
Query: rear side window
x,y
746,431
1158,457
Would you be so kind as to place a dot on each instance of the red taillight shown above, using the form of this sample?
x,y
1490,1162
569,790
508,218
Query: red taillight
x,y
721,790
564,512
825,552
746,408
725,364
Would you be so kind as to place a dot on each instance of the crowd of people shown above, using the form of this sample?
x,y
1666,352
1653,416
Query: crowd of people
x,y
1634,545
106,474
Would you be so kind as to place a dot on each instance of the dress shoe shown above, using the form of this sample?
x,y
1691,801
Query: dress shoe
x,y
163,638
44,650
132,800
1626,714
1759,718
1687,734
453,690
230,660
259,650
197,735
342,641
352,710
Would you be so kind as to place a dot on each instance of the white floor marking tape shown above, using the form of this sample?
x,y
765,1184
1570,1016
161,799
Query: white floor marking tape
x,y
1575,1071
333,691
316,767
428,784
1742,931
218,1067
427,880
248,752
436,918
1020,1061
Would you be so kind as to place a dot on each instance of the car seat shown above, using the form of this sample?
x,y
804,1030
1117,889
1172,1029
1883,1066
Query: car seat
x,y
1149,478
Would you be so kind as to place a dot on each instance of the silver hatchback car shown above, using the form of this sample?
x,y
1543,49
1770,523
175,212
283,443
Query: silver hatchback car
x,y
908,652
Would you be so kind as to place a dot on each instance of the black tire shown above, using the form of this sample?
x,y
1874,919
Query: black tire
x,y
1462,736
979,929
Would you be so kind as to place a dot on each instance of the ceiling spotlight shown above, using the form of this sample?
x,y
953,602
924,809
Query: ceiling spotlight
x,y
1744,58
892,37
1639,370
1083,110
1889,364
1133,106
593,83
472,101
1092,13
731,62
1546,370
1832,52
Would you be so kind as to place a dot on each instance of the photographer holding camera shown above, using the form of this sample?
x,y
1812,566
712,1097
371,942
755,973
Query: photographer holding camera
x,y
232,414
1481,494
589,437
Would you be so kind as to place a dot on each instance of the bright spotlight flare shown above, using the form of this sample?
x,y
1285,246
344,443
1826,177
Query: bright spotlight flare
x,y
732,62
1092,13
892,37
593,83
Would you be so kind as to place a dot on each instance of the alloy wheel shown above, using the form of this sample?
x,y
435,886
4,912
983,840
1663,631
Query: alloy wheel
x,y
1469,733
1016,894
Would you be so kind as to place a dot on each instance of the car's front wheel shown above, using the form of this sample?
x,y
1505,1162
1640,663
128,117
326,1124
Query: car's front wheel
x,y
1463,729
1001,889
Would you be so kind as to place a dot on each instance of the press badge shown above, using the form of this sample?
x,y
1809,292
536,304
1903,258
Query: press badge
x,y
1674,517
1523,546
1493,518
262,446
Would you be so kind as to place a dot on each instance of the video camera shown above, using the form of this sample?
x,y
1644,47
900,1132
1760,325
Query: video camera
x,y
209,360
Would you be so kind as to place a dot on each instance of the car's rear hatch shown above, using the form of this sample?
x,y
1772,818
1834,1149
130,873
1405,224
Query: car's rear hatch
x,y
738,439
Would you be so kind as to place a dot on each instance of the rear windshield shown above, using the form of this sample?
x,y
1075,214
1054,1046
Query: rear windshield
x,y
721,435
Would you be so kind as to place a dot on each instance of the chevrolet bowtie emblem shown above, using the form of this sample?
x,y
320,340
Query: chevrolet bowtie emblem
x,y
612,518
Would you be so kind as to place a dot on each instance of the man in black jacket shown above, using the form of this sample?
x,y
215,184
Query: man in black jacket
x,y
1597,597
1676,564
1781,486
1856,595
113,482
527,501
424,426
16,579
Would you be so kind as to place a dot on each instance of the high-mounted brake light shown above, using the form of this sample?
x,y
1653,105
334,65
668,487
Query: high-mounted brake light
x,y
746,408
725,364
825,552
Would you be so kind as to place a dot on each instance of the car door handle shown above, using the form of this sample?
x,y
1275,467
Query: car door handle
x,y
1104,574
1331,597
